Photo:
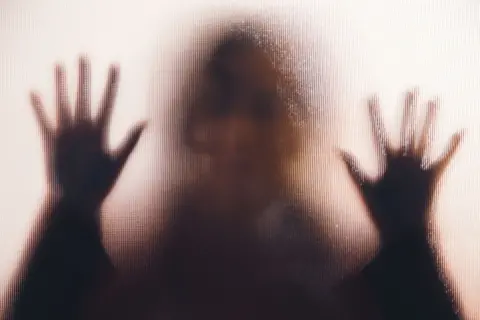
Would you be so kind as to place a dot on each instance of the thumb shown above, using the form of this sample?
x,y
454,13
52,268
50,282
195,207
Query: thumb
x,y
123,153
353,168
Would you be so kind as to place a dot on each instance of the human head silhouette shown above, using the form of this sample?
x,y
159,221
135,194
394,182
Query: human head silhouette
x,y
242,120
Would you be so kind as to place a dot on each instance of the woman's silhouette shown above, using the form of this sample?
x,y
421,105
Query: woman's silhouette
x,y
238,245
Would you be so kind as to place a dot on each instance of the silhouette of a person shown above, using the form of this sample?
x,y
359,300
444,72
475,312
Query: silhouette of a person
x,y
216,260
239,245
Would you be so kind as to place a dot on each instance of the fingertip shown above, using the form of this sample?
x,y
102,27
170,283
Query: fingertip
x,y
411,97
60,75
137,131
35,99
435,99
373,100
33,95
83,59
408,95
143,125
433,103
373,107
114,71
84,65
59,68
339,152
460,134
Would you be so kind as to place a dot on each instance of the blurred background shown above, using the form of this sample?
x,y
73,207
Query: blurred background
x,y
346,50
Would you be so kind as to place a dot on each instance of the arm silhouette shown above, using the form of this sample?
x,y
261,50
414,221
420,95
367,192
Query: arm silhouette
x,y
404,277
67,261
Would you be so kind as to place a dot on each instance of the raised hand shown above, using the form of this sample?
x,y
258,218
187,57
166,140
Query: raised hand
x,y
79,165
400,200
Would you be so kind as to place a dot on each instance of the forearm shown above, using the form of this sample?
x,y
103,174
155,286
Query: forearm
x,y
63,265
407,283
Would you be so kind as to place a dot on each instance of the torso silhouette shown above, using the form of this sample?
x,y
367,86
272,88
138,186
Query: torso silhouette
x,y
208,271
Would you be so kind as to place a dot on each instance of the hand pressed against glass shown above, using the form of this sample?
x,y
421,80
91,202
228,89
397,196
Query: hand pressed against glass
x,y
79,165
399,201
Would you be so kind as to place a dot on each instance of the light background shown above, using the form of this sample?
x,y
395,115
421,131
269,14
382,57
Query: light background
x,y
360,47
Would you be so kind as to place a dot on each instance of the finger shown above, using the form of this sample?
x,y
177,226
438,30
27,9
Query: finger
x,y
126,149
64,118
106,106
440,166
378,128
353,168
407,136
82,110
426,135
45,128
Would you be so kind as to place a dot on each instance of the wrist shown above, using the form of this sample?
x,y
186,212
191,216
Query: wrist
x,y
81,199
410,236
74,210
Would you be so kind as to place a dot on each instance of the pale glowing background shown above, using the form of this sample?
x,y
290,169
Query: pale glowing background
x,y
362,46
